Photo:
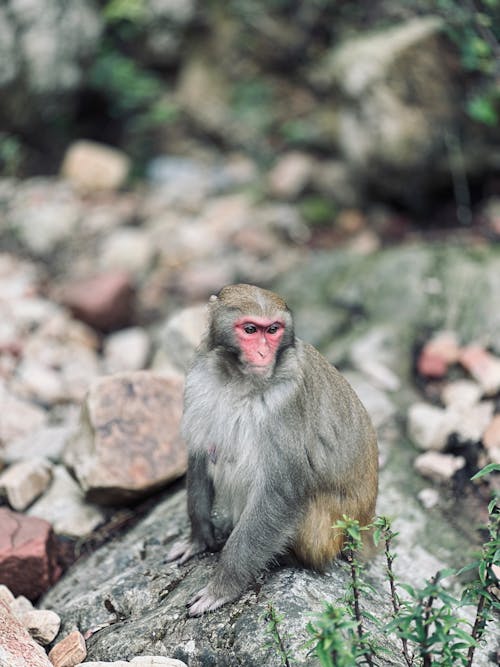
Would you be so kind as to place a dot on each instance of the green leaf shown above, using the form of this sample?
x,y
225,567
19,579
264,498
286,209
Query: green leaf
x,y
491,467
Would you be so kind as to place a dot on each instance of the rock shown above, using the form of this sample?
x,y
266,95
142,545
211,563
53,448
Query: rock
x,y
461,394
471,423
93,167
6,595
126,350
105,302
46,49
47,442
19,418
290,176
379,406
438,467
129,443
127,249
428,498
483,366
40,382
371,354
69,652
182,334
63,506
23,482
28,559
438,354
491,439
44,214
115,663
42,624
156,661
335,180
17,647
21,606
429,426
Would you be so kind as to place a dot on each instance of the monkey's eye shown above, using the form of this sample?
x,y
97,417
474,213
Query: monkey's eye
x,y
250,328
273,328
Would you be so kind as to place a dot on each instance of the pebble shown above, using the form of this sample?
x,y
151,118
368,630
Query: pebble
x,y
70,651
491,439
23,482
19,418
63,506
429,426
105,302
483,366
461,394
6,595
129,249
182,334
28,554
290,175
126,350
438,354
437,466
48,443
92,167
42,624
428,498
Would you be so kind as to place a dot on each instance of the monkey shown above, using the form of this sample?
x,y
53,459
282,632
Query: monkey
x,y
278,443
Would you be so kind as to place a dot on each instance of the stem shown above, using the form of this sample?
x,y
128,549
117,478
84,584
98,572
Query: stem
x,y
394,596
478,628
274,621
427,657
357,610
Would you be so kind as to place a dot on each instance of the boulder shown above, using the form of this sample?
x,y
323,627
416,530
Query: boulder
x,y
129,444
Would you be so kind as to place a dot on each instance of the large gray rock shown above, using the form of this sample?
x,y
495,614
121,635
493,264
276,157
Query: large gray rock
x,y
137,601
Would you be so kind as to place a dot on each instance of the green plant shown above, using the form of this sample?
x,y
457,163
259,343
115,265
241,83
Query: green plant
x,y
277,640
11,154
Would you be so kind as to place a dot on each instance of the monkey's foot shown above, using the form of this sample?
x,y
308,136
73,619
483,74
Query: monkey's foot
x,y
183,550
205,601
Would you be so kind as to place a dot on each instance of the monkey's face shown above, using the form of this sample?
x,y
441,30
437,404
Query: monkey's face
x,y
258,340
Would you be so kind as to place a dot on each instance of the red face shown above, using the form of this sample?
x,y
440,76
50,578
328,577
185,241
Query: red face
x,y
259,340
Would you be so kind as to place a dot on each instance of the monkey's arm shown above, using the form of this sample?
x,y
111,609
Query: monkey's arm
x,y
200,498
263,531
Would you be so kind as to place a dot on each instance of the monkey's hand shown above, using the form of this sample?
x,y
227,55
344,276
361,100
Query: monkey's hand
x,y
183,550
206,600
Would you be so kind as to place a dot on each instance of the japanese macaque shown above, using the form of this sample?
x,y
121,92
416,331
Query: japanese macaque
x,y
279,445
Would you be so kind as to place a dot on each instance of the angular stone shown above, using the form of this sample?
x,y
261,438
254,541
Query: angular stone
x,y
21,606
93,167
126,350
438,354
17,648
129,442
105,301
437,466
483,366
23,482
69,651
28,559
42,624
64,506
6,595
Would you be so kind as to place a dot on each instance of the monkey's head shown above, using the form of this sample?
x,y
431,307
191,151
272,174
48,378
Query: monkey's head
x,y
252,324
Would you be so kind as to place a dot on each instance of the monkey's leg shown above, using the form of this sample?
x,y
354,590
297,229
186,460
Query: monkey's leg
x,y
200,494
263,531
317,542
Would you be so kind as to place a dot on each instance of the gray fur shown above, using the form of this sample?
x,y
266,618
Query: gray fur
x,y
260,446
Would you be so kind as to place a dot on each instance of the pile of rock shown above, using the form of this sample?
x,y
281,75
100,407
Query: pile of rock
x,y
28,630
468,414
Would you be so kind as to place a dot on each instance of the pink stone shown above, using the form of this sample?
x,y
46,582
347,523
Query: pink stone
x,y
28,558
69,652
17,647
483,366
438,354
105,301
